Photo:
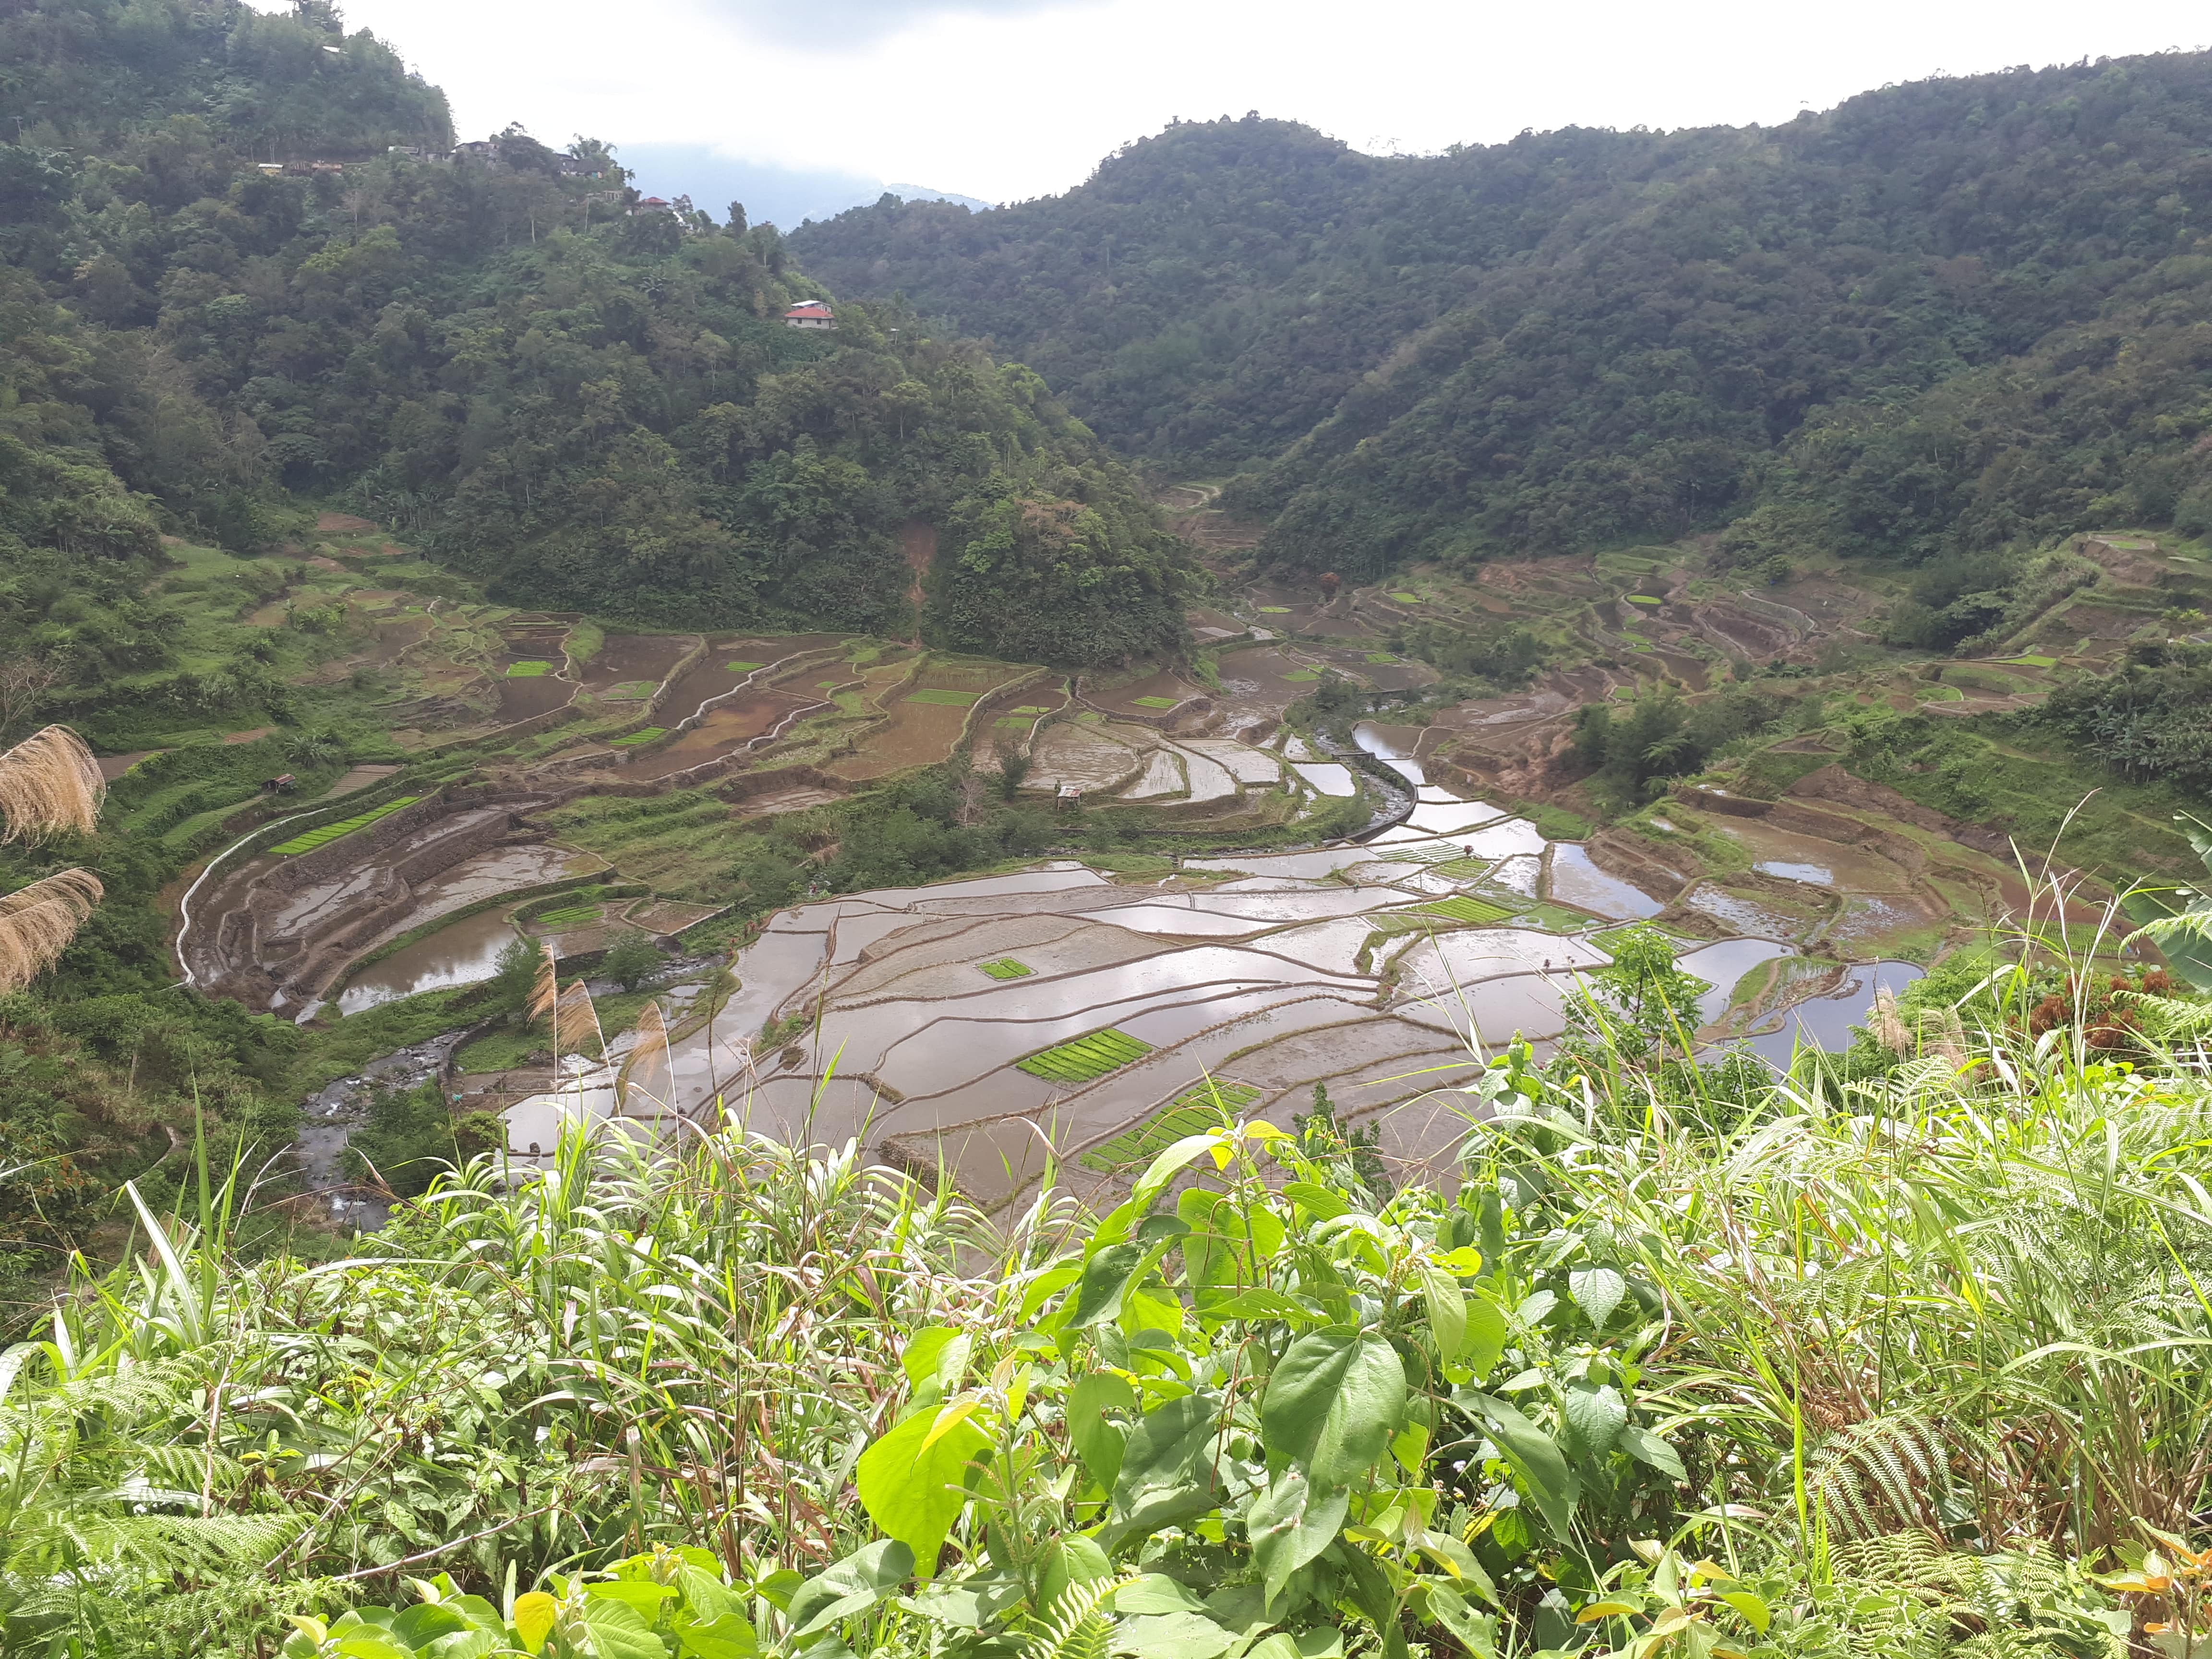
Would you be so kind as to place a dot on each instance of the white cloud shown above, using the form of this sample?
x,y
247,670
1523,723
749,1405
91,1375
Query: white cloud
x,y
1008,99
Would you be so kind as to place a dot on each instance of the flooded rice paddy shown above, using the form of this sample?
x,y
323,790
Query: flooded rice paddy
x,y
1385,970
463,953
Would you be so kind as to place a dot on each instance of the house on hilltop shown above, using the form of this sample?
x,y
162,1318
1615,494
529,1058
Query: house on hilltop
x,y
810,313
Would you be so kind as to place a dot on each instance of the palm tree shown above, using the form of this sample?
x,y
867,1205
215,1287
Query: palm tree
x,y
48,783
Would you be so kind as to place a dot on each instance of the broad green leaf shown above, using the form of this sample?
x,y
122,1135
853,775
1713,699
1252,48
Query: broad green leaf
x,y
1098,1442
1257,1304
1457,1559
938,1354
1290,1523
1072,1559
1316,1201
1486,1334
1646,1447
1597,1291
424,1623
1475,1631
1104,1277
863,1578
1156,1593
365,1646
1168,1164
645,1597
534,1613
1596,1415
729,1636
1332,1404
1171,1636
1753,1609
1046,1283
1447,1310
619,1631
913,1480
1551,1487
1165,1448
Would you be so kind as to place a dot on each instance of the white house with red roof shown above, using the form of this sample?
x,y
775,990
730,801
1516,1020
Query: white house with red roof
x,y
810,313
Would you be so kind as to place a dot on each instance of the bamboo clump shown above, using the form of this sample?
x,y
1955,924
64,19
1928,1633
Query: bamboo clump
x,y
49,782
37,923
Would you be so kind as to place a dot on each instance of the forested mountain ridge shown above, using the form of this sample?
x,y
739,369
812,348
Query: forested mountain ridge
x,y
587,406
1952,315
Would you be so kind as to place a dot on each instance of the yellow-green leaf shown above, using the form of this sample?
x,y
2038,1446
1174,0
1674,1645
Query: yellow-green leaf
x,y
534,1613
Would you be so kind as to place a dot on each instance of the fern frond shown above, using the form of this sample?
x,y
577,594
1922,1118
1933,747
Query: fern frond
x,y
1077,1626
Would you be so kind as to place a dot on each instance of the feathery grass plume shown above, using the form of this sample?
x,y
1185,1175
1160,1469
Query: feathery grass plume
x,y
646,1078
37,923
49,782
545,990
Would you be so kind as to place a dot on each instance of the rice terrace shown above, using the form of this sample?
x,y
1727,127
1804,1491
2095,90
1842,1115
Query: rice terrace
x,y
1296,904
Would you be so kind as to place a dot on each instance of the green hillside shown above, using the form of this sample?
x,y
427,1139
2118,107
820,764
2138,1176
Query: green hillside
x,y
584,405
1956,314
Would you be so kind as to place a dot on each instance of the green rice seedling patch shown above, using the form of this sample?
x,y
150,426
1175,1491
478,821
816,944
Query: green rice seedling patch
x,y
645,735
1091,717
1464,869
2032,662
1380,656
307,840
628,691
1006,967
1032,708
571,915
1192,1112
1274,611
527,671
1155,702
826,685
1012,723
1407,599
1436,855
1475,912
1938,694
1303,674
1643,598
741,667
1085,1057
938,697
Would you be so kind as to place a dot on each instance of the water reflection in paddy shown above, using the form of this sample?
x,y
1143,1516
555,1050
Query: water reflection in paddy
x,y
1394,744
461,954
1330,777
1825,1022
1576,881
1722,966
1819,874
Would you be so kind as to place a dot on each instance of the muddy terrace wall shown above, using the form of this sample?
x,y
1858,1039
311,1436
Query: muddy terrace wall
x,y
256,969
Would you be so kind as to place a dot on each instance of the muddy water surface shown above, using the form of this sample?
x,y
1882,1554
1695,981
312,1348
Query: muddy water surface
x,y
461,954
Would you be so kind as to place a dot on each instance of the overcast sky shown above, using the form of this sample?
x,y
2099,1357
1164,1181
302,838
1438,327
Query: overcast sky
x,y
1010,98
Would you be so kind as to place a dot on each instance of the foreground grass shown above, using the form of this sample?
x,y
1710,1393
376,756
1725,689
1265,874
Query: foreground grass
x,y
1894,1361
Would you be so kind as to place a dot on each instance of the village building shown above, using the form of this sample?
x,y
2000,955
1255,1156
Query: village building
x,y
810,313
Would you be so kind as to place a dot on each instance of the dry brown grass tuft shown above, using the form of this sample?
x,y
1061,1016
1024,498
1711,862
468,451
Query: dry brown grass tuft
x,y
37,921
49,782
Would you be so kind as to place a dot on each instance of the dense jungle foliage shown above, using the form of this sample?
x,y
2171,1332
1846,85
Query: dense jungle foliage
x,y
1944,317
584,405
